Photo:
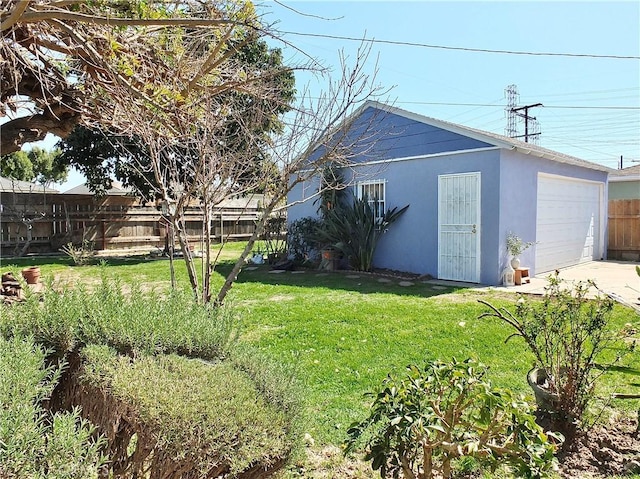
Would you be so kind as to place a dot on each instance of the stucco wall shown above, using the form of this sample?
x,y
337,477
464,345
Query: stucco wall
x,y
624,190
302,198
518,192
411,244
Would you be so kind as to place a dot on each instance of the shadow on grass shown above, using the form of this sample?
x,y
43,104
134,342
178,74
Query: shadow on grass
x,y
364,283
62,260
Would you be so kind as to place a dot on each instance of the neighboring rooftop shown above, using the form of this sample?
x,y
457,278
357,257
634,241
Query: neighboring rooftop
x,y
17,186
116,190
631,173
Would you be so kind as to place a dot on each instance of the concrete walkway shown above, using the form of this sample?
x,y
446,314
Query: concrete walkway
x,y
612,277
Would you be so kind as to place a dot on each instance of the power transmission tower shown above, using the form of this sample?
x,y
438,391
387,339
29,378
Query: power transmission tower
x,y
531,124
513,98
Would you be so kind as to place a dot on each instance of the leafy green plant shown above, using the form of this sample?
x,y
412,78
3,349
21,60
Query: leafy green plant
x,y
355,230
33,442
421,423
332,193
516,246
301,243
81,254
567,332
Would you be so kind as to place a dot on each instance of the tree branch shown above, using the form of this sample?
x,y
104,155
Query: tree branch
x,y
34,17
34,128
13,17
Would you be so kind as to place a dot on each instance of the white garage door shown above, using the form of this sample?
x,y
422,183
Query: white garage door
x,y
568,228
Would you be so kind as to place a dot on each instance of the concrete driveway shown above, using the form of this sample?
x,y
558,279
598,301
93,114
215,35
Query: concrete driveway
x,y
612,277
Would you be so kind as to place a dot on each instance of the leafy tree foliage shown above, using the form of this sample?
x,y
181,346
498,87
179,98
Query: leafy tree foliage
x,y
37,164
101,154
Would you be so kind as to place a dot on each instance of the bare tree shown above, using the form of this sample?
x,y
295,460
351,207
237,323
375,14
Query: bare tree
x,y
194,161
64,62
318,134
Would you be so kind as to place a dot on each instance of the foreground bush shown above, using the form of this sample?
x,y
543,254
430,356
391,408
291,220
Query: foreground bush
x,y
163,380
33,443
571,337
178,417
132,322
419,425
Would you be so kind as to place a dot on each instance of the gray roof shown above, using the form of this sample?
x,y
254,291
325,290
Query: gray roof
x,y
116,190
488,137
17,186
631,173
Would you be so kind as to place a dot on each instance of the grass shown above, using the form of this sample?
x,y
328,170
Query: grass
x,y
344,334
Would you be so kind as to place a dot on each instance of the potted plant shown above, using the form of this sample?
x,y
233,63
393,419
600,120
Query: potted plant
x,y
565,369
515,247
31,275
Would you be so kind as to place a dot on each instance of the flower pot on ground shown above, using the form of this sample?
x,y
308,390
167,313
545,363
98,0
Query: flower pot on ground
x,y
330,259
31,275
540,382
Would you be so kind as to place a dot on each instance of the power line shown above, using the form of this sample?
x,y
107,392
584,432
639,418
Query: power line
x,y
464,49
501,106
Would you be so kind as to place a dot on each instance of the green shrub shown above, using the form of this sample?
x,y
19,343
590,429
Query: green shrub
x,y
228,410
301,244
132,322
276,381
81,254
33,443
421,423
568,333
355,230
190,415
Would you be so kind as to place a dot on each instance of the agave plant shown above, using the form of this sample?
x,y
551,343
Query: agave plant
x,y
354,230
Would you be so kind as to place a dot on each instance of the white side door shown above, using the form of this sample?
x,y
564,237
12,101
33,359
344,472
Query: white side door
x,y
459,227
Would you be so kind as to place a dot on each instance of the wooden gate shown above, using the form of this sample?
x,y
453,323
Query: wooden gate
x,y
624,230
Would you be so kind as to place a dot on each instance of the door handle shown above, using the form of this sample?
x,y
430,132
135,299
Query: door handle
x,y
473,229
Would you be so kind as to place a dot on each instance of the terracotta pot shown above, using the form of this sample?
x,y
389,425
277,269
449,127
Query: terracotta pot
x,y
31,275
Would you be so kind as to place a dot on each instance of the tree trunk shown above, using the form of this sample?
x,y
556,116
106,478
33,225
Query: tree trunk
x,y
233,275
187,255
171,242
206,260
427,462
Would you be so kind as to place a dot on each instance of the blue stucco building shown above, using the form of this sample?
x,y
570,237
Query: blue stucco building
x,y
467,189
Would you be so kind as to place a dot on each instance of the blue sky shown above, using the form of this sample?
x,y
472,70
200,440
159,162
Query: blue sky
x,y
569,87
423,77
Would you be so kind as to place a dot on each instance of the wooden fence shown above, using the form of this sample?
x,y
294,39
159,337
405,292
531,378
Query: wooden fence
x,y
34,222
624,230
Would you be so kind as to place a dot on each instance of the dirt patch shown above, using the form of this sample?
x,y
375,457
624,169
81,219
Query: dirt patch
x,y
280,298
328,462
603,451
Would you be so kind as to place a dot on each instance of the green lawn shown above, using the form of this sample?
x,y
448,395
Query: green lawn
x,y
345,334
